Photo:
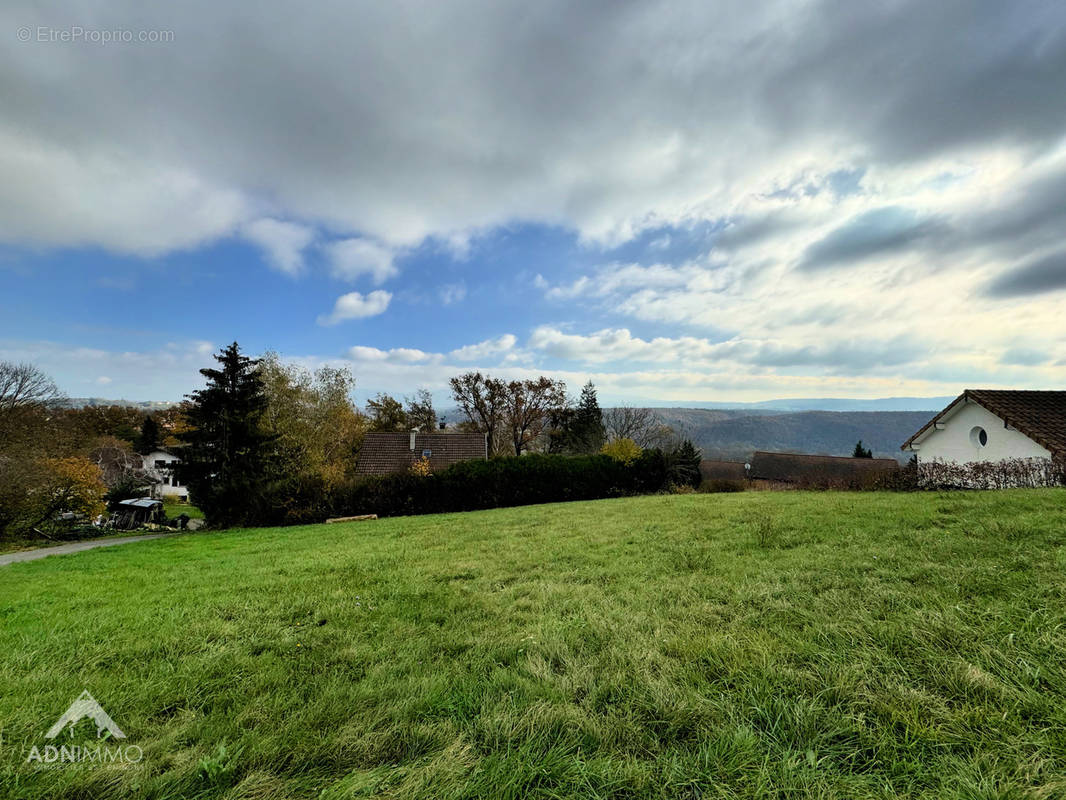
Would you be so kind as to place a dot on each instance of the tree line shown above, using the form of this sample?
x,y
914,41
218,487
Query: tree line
x,y
261,428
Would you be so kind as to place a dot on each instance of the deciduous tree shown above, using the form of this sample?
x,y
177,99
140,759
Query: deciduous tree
x,y
483,400
386,414
420,412
528,408
642,425
316,426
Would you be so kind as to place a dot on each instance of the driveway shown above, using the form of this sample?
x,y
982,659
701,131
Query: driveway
x,y
77,547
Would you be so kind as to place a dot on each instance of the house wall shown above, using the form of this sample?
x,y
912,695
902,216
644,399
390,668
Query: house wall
x,y
953,443
164,473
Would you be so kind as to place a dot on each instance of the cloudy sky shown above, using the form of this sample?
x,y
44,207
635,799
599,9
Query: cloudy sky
x,y
686,202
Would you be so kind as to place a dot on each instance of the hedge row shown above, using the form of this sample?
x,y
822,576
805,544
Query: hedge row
x,y
466,486
504,482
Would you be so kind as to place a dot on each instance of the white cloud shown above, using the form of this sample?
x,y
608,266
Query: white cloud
x,y
486,349
356,306
851,215
166,373
282,243
492,136
396,355
350,259
452,293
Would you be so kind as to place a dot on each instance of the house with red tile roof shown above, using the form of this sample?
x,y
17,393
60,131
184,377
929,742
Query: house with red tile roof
x,y
992,425
384,453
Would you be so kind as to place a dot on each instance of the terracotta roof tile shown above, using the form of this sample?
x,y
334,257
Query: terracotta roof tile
x,y
1040,415
383,453
797,467
722,470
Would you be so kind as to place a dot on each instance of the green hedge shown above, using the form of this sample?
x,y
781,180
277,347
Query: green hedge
x,y
503,482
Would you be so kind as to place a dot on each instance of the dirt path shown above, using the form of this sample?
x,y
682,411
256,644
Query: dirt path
x,y
77,547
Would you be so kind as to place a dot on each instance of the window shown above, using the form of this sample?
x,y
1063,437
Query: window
x,y
160,463
978,436
427,453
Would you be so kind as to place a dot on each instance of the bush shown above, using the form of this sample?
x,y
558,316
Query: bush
x,y
1011,473
500,483
625,450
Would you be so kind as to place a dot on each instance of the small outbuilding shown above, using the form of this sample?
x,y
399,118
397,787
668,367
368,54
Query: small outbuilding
x,y
137,513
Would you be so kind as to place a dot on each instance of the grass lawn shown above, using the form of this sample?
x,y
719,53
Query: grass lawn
x,y
177,509
748,645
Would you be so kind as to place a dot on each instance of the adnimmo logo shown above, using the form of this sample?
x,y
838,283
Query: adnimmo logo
x,y
78,747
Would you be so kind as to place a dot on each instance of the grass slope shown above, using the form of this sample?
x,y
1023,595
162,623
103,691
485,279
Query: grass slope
x,y
756,645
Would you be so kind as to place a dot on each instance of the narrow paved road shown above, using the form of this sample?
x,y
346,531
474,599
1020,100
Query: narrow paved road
x,y
77,547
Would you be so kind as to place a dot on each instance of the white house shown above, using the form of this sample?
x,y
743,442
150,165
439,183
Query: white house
x,y
159,464
990,426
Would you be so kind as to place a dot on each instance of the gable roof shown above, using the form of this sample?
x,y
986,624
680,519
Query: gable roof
x,y
722,470
1040,415
383,453
800,467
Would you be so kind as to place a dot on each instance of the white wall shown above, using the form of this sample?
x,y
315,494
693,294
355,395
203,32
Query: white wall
x,y
167,472
953,443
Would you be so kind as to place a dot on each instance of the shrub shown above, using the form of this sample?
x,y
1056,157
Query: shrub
x,y
625,450
1011,473
500,483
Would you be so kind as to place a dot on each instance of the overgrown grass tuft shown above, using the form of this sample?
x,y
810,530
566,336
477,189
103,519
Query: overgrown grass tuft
x,y
746,645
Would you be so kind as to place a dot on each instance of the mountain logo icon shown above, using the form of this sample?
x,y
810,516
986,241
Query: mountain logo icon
x,y
85,706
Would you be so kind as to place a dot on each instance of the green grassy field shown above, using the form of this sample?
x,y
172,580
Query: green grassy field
x,y
748,645
177,509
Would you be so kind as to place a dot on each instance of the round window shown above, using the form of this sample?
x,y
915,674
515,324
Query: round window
x,y
978,436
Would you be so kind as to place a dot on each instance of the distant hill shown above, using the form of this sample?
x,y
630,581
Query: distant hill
x,y
836,404
145,405
733,434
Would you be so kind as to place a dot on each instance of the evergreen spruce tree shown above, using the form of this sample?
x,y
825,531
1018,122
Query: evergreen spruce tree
x,y
579,429
228,458
684,468
861,452
149,438
589,434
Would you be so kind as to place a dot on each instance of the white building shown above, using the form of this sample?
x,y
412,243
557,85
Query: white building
x,y
159,464
994,426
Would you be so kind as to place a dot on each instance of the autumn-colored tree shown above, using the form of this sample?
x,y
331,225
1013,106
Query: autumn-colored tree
x,y
311,416
421,467
59,485
625,450
386,413
172,423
